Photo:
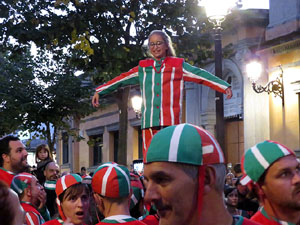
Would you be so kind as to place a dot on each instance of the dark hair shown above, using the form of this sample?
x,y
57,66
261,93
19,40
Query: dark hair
x,y
83,168
4,146
237,168
228,190
254,190
74,190
6,212
39,148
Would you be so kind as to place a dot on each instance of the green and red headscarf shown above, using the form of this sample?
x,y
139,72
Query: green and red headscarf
x,y
188,144
63,184
111,180
185,143
259,158
20,182
137,190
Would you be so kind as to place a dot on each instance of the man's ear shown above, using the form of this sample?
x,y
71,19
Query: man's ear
x,y
27,192
96,197
44,172
209,179
99,202
259,189
6,158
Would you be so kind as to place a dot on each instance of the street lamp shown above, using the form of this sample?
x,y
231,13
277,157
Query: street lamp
x,y
216,11
136,102
254,70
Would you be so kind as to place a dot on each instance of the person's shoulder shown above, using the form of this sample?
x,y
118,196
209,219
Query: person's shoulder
x,y
32,217
150,220
174,61
258,217
6,177
239,220
136,222
52,222
42,164
146,62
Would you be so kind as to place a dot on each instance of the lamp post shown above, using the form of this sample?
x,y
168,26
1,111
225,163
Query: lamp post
x,y
216,11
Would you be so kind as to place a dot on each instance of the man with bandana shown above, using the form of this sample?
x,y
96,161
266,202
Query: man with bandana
x,y
32,196
112,194
184,177
272,171
137,204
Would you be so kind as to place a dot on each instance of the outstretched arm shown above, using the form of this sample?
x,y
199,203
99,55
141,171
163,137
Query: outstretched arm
x,y
95,100
228,93
128,78
201,76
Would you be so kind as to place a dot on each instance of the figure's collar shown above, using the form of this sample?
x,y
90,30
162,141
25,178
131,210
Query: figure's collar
x,y
265,214
28,203
118,219
7,171
160,61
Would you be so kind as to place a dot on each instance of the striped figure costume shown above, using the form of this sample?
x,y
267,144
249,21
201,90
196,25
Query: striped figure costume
x,y
162,84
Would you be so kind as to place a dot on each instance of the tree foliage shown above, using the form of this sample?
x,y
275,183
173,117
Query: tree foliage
x,y
102,38
39,93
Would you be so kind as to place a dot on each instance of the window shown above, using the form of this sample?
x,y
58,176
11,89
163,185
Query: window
x,y
65,147
96,142
140,143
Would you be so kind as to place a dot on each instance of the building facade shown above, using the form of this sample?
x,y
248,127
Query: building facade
x,y
281,55
249,117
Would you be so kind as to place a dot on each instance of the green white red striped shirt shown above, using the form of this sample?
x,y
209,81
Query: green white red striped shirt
x,y
262,217
162,84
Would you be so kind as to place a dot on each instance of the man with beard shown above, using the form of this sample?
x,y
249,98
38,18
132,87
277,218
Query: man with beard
x,y
51,173
184,176
13,158
32,196
273,172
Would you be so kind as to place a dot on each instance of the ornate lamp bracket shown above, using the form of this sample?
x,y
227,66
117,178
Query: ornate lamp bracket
x,y
274,86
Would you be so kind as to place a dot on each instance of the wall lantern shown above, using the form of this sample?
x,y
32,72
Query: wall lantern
x,y
254,70
136,102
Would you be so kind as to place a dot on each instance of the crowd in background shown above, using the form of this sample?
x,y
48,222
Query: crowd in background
x,y
184,182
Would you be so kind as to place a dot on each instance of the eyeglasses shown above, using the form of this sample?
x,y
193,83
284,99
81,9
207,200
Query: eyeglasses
x,y
158,44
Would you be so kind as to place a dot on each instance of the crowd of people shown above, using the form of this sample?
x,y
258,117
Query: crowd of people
x,y
185,180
